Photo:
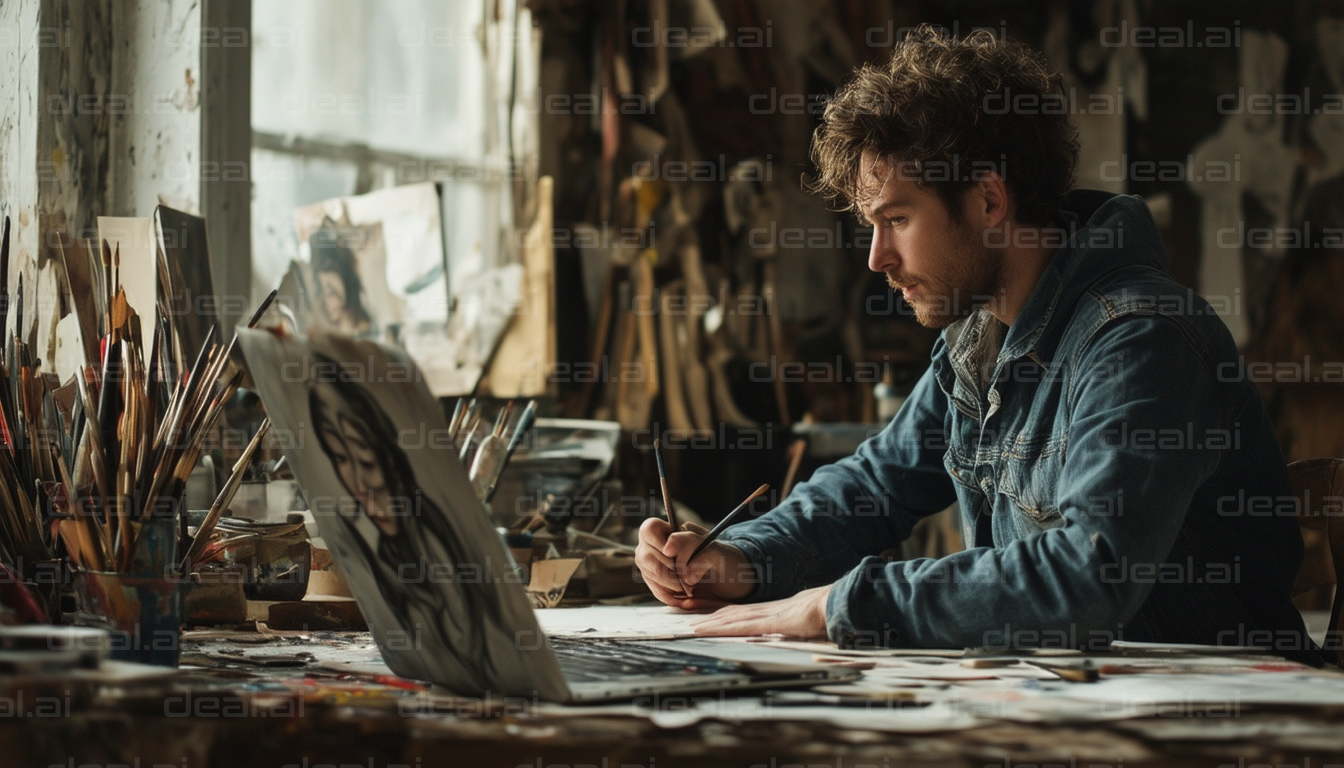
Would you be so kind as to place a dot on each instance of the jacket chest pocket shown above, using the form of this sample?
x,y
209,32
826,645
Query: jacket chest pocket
x,y
1029,479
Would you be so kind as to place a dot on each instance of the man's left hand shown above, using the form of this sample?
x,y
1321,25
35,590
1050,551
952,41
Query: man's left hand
x,y
803,615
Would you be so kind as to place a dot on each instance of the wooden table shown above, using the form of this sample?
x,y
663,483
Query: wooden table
x,y
248,715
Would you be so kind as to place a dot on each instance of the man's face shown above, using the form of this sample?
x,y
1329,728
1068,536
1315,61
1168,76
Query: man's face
x,y
939,264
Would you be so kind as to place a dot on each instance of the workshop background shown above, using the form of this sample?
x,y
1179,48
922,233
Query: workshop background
x,y
637,165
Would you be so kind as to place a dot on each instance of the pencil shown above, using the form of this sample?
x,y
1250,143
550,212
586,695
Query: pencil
x,y
732,517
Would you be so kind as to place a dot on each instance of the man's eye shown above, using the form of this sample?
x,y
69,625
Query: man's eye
x,y
896,221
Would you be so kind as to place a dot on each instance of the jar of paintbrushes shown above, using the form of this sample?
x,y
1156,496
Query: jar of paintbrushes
x,y
139,420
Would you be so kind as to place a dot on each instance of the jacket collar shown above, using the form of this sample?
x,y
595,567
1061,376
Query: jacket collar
x,y
1099,233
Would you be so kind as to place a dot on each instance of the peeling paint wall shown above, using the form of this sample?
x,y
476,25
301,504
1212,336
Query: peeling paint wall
x,y
53,144
102,110
18,127
74,110
156,72
72,141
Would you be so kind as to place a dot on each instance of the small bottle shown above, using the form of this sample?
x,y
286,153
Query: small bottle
x,y
889,400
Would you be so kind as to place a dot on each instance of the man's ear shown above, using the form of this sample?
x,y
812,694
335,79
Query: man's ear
x,y
990,199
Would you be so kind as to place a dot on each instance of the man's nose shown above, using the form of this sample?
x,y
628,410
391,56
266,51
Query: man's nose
x,y
882,256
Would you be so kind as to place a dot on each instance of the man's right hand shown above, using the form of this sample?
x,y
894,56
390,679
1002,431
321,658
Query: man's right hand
x,y
713,579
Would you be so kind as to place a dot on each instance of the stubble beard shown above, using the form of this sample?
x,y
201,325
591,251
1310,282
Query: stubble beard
x,y
971,279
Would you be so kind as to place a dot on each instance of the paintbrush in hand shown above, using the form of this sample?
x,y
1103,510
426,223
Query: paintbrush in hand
x,y
667,498
732,517
662,482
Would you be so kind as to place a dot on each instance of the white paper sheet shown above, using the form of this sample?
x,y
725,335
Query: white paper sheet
x,y
1289,688
616,621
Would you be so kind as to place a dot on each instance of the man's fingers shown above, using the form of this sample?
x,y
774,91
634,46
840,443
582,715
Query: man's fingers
x,y
681,544
695,571
738,620
663,577
672,598
656,567
655,531
664,595
702,604
729,627
648,554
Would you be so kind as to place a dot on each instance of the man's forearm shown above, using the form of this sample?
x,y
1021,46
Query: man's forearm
x,y
858,506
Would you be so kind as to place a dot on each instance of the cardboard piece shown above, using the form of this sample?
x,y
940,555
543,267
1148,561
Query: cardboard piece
x,y
549,580
527,353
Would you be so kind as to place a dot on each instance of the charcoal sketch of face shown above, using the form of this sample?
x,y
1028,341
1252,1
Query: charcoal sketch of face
x,y
352,445
408,536
338,285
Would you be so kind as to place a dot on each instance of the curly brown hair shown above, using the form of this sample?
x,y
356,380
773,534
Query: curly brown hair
x,y
944,108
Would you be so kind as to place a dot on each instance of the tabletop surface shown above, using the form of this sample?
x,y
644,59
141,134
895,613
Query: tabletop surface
x,y
264,697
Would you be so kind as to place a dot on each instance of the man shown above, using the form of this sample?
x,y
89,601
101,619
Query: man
x,y
1118,478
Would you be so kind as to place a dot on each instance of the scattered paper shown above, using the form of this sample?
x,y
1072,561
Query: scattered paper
x,y
1298,689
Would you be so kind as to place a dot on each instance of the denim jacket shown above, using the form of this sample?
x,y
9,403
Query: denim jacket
x,y
1117,474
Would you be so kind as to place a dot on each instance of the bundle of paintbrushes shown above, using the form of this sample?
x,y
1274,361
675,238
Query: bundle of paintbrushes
x,y
30,427
91,463
484,449
138,447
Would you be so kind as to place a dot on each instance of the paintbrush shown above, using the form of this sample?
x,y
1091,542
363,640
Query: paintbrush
x,y
221,360
223,500
502,420
488,461
4,278
667,498
261,310
468,420
107,287
795,454
731,518
662,482
97,457
181,443
170,423
456,421
525,421
469,442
